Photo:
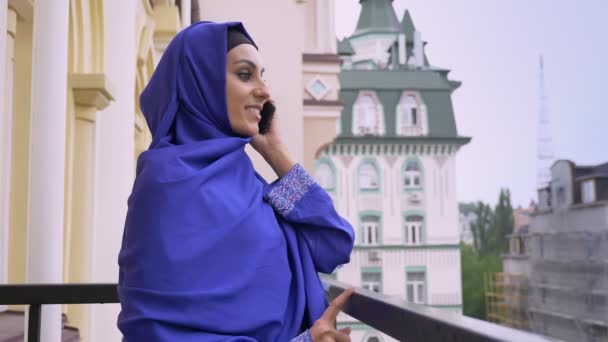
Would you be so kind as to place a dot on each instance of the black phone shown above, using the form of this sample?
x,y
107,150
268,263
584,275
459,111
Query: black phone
x,y
267,114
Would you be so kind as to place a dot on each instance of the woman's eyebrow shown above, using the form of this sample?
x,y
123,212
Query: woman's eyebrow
x,y
250,63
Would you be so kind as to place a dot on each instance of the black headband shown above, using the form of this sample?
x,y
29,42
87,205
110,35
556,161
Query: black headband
x,y
235,38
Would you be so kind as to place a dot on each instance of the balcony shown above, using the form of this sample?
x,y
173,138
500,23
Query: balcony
x,y
396,318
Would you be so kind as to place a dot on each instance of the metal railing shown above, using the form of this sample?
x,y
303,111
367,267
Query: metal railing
x,y
396,318
36,295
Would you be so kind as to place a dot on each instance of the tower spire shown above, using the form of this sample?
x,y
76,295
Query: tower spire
x,y
545,155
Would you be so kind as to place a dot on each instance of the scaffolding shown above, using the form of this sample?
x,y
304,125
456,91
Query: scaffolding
x,y
565,294
506,296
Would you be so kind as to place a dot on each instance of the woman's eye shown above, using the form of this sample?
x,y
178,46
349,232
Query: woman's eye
x,y
244,76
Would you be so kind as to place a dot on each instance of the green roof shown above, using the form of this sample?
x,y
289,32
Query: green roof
x,y
389,85
377,16
344,47
393,79
407,26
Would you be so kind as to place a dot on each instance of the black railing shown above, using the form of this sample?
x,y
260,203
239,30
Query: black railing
x,y
36,295
396,318
412,322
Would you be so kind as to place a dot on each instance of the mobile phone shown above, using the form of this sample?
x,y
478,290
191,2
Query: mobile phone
x,y
267,114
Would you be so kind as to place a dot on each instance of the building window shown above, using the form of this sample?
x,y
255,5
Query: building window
x,y
416,286
409,115
412,175
371,279
413,229
325,175
588,191
370,230
368,115
561,195
368,177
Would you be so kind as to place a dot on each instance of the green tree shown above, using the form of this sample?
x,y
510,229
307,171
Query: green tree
x,y
502,222
481,227
474,266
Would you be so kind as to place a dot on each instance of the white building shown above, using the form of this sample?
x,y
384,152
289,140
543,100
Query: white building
x,y
391,170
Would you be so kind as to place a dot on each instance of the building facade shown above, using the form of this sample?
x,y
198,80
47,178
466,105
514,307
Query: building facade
x,y
71,127
563,255
391,170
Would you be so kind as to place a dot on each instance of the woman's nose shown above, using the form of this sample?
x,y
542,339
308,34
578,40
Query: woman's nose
x,y
262,91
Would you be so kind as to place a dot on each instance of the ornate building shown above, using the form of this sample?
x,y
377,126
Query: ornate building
x,y
391,170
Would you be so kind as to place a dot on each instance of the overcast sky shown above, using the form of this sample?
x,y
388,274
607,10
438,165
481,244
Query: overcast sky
x,y
492,46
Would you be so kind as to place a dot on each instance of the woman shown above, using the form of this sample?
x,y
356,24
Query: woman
x,y
210,251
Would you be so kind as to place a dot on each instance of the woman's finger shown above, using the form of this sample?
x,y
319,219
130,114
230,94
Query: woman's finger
x,y
340,336
346,330
336,305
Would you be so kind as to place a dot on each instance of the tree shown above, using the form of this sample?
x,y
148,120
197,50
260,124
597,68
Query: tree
x,y
474,266
502,223
481,228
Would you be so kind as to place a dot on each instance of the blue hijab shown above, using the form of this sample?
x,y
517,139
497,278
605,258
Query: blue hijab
x,y
204,257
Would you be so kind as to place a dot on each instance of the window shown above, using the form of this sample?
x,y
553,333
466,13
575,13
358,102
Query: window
x,y
412,176
368,177
371,279
368,116
588,191
370,234
561,195
413,229
409,115
416,286
325,175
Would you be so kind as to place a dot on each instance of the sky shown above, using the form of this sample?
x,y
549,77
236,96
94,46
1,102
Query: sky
x,y
493,47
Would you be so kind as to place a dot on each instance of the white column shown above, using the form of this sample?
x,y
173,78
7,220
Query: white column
x,y
4,130
186,12
47,154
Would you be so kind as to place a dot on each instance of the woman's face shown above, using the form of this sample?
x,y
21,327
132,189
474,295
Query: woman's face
x,y
246,91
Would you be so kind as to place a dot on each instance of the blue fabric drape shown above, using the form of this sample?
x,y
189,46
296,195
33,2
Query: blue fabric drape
x,y
204,257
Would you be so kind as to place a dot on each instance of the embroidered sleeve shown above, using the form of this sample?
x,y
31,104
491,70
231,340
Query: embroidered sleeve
x,y
303,337
289,189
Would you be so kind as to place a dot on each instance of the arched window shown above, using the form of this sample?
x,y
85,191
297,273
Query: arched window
x,y
412,174
410,115
325,175
368,177
368,115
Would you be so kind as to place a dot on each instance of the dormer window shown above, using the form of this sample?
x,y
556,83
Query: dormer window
x,y
410,118
588,191
368,115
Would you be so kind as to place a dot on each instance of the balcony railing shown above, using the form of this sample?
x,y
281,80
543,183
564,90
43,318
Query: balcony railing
x,y
396,318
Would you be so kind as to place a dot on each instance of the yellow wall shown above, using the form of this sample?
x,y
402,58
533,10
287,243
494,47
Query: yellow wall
x,y
20,155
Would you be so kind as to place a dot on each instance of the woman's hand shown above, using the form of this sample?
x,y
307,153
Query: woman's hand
x,y
323,330
273,149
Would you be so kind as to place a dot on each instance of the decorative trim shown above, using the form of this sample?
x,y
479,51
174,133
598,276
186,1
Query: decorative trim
x,y
91,90
290,189
323,103
303,337
402,247
321,57
309,88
